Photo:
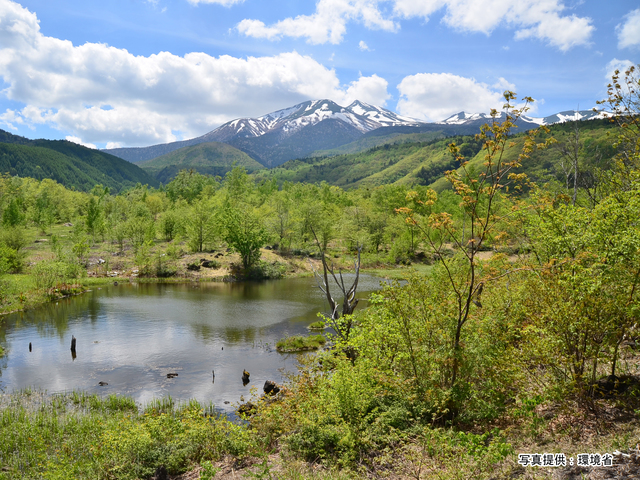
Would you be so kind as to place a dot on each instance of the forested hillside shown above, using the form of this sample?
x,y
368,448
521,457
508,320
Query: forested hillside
x,y
367,142
211,158
408,162
70,164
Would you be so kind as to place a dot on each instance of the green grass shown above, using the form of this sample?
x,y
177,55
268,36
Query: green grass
x,y
83,436
299,343
319,325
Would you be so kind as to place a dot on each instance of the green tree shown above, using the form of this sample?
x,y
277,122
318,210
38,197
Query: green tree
x,y
170,224
93,217
584,299
12,215
244,232
623,102
479,195
200,225
43,212
189,185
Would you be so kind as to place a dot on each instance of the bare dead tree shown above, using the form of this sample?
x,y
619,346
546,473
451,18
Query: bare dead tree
x,y
341,322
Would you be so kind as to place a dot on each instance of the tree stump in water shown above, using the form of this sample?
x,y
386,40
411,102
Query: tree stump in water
x,y
271,388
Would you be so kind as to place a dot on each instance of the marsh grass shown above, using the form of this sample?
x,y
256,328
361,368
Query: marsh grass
x,y
319,325
77,435
299,343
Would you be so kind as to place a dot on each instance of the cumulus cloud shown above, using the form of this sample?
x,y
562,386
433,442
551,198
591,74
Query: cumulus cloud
x,y
615,64
363,46
327,24
100,93
629,30
436,96
10,118
542,20
79,141
371,90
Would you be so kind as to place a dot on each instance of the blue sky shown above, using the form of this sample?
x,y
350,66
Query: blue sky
x,y
142,72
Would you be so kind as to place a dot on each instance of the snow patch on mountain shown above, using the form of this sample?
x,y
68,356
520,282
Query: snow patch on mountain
x,y
462,118
360,115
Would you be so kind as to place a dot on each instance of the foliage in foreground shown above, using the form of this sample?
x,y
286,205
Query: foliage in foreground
x,y
86,437
479,340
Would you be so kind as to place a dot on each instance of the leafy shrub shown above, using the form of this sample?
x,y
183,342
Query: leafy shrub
x,y
323,438
50,273
11,260
14,237
164,267
260,271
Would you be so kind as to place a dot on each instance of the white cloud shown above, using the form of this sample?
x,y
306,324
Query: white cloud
x,y
436,96
615,64
540,19
79,141
371,90
111,145
100,93
629,30
327,24
502,84
363,46
10,118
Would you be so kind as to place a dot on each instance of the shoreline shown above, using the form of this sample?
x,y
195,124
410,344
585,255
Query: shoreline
x,y
39,298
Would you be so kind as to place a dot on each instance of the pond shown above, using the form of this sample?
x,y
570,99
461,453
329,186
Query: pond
x,y
132,335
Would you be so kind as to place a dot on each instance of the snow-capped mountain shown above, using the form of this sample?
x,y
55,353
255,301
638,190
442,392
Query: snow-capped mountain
x,y
464,118
289,133
298,131
568,116
359,115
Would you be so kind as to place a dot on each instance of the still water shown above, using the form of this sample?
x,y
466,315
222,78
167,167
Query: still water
x,y
132,335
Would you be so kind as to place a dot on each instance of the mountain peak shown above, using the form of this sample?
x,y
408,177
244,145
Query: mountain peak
x,y
285,122
462,118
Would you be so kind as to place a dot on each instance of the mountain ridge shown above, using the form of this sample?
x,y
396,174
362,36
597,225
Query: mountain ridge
x,y
280,126
293,132
68,163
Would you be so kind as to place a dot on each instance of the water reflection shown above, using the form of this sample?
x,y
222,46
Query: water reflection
x,y
129,337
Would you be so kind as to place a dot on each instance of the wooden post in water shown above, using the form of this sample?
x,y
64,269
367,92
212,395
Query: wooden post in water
x,y
73,344
29,346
